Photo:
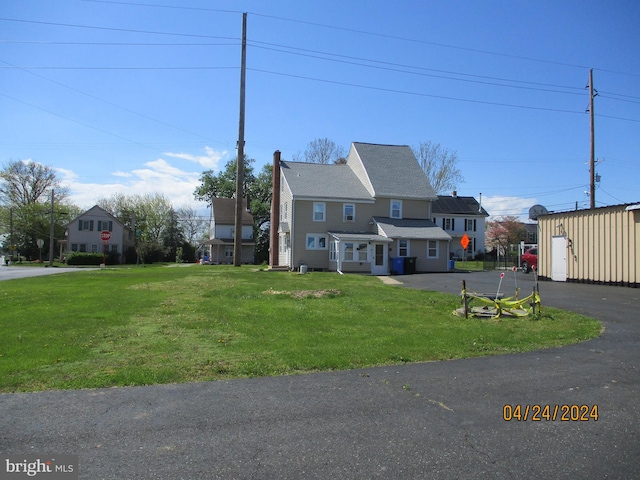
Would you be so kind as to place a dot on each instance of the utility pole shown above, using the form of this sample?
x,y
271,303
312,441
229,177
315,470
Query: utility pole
x,y
592,161
51,232
237,241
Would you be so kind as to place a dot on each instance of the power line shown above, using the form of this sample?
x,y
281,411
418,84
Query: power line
x,y
116,44
113,29
30,67
350,62
390,90
135,4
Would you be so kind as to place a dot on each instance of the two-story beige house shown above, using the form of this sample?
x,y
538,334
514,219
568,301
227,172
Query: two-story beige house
x,y
222,232
357,216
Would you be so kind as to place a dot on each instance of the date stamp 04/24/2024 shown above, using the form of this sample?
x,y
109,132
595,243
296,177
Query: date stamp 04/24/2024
x,y
550,413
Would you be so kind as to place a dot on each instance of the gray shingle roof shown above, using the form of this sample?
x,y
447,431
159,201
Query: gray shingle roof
x,y
359,236
457,205
224,211
323,181
390,171
410,228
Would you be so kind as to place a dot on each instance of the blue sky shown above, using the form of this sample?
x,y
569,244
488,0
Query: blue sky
x,y
142,96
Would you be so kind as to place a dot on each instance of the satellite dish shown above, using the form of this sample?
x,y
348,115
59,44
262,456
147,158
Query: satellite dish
x,y
536,211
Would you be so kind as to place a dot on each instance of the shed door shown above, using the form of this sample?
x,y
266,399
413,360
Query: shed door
x,y
559,259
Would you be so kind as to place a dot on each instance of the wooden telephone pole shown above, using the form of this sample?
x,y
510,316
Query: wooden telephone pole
x,y
592,161
237,240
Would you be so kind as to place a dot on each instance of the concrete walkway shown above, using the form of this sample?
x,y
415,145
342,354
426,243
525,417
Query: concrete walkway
x,y
441,420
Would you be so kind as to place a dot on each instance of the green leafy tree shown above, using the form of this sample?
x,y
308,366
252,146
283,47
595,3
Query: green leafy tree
x,y
256,187
149,213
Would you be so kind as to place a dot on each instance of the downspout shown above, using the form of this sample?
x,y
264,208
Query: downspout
x,y
292,229
274,224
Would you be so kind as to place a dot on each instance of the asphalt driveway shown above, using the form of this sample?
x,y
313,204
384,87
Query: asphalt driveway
x,y
439,420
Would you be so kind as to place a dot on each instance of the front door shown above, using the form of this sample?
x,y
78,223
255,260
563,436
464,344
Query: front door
x,y
379,263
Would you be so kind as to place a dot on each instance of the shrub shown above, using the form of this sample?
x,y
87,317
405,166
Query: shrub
x,y
83,258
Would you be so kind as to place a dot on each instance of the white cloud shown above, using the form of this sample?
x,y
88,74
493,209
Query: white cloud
x,y
157,176
209,161
67,175
499,206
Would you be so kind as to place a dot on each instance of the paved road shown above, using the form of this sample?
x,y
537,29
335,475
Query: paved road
x,y
441,420
9,273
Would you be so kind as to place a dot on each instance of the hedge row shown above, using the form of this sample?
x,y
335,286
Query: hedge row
x,y
83,258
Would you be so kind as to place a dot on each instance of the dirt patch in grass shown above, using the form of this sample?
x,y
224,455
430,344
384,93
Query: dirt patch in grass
x,y
304,293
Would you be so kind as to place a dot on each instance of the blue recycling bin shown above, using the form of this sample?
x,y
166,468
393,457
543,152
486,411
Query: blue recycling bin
x,y
452,264
397,266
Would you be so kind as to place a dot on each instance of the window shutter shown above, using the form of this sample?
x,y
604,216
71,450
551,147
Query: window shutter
x,y
474,224
111,225
453,224
79,225
99,225
91,226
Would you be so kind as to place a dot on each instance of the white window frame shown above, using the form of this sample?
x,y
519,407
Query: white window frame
x,y
349,248
318,242
398,209
363,252
430,248
333,251
406,247
322,211
448,224
470,225
345,216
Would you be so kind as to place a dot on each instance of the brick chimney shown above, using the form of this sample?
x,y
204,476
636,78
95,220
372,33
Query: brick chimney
x,y
274,224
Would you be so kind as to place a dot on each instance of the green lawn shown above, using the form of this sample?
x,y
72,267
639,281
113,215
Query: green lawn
x,y
159,324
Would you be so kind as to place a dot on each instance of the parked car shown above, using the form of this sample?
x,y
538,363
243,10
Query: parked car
x,y
529,260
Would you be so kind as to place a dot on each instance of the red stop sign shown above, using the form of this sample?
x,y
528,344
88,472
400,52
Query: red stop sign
x,y
105,235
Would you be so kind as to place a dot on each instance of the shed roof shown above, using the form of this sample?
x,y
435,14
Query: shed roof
x,y
410,228
359,237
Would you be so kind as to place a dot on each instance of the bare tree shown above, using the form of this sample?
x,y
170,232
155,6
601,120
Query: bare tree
x,y
324,151
194,225
24,183
439,164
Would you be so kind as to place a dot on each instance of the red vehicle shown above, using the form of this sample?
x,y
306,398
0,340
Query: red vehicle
x,y
529,260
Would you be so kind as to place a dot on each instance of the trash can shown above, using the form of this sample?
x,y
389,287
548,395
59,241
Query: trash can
x,y
303,268
397,266
410,265
452,264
